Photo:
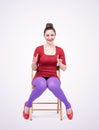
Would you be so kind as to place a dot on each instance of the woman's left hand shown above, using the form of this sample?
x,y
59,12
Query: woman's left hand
x,y
59,61
60,64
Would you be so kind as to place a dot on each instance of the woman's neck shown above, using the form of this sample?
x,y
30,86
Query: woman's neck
x,y
49,49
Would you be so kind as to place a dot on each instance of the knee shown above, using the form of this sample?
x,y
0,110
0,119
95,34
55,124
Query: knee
x,y
39,82
53,83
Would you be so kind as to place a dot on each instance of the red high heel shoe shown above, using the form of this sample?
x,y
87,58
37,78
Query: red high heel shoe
x,y
70,116
25,115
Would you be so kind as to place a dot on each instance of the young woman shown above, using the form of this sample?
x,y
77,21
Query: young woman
x,y
46,60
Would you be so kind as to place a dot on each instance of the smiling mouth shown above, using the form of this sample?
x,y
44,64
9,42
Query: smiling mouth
x,y
50,40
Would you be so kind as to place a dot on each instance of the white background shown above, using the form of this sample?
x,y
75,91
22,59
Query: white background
x,y
21,29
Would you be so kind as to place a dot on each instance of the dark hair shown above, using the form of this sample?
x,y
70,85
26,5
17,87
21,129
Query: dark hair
x,y
49,26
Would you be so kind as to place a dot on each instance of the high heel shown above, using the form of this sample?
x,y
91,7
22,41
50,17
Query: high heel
x,y
70,115
25,115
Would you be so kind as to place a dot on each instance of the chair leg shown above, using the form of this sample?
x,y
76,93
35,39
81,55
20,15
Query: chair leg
x,y
60,110
30,113
58,105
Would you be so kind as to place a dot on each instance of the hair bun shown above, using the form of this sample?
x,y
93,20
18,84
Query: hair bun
x,y
49,25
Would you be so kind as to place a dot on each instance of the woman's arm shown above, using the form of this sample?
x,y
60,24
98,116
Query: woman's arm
x,y
34,65
62,66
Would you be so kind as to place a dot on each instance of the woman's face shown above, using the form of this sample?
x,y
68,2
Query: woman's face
x,y
49,36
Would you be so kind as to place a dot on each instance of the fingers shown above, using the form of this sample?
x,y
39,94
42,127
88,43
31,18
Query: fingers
x,y
59,61
57,56
36,57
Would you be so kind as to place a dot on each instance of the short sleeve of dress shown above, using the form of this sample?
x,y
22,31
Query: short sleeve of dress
x,y
36,51
62,56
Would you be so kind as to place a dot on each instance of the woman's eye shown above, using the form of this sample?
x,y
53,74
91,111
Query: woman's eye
x,y
49,35
52,35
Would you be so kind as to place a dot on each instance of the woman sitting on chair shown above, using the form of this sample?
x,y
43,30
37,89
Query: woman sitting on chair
x,y
46,60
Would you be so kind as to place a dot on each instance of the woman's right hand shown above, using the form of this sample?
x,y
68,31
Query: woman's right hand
x,y
59,61
34,66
